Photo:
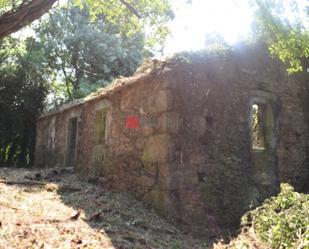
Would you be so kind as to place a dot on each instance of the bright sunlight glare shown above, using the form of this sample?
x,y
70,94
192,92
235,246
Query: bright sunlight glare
x,y
229,18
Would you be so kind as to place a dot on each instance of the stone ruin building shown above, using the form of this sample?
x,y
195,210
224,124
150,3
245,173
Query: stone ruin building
x,y
200,137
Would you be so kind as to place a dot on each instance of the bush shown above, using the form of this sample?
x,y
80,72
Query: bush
x,y
282,221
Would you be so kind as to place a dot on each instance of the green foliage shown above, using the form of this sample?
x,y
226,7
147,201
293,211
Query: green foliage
x,y
85,54
80,47
87,43
282,221
282,26
131,16
22,93
6,5
215,44
212,50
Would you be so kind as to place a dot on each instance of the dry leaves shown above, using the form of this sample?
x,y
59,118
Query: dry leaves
x,y
46,216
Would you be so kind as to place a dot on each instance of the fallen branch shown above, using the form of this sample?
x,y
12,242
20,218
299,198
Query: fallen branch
x,y
33,183
76,216
7,205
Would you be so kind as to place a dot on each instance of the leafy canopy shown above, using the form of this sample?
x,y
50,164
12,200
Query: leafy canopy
x,y
150,16
85,54
78,48
284,26
131,16
22,93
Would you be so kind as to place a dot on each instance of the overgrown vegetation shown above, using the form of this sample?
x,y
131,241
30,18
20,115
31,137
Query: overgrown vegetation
x,y
83,54
23,89
281,222
283,25
79,47
130,15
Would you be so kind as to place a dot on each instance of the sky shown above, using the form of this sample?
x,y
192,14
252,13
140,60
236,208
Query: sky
x,y
230,18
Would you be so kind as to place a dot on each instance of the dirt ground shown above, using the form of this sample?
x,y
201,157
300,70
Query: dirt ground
x,y
68,212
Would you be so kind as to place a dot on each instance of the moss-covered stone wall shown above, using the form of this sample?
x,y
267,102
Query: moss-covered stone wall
x,y
180,137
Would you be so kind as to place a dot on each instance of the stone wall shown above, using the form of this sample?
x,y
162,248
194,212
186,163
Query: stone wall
x,y
135,152
217,175
51,137
179,135
135,145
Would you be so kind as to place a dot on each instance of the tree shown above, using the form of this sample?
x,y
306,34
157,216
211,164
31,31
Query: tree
x,y
215,43
22,93
21,14
131,14
85,54
287,38
283,26
78,48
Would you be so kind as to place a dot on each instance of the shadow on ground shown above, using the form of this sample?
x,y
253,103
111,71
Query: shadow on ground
x,y
80,215
128,222
78,211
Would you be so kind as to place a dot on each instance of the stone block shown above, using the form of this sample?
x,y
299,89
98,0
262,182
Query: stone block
x,y
158,149
163,100
159,102
129,99
158,199
197,158
169,81
146,181
97,159
170,122
199,124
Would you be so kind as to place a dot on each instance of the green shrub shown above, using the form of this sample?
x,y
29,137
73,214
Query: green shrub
x,y
282,221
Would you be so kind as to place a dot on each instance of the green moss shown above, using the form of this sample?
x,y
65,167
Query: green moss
x,y
158,201
100,120
146,158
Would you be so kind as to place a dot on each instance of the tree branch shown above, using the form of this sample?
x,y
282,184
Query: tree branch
x,y
23,15
131,8
28,11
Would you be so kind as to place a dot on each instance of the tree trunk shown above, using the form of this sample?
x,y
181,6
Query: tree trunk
x,y
23,15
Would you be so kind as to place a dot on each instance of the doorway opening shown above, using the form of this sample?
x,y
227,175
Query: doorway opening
x,y
71,142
